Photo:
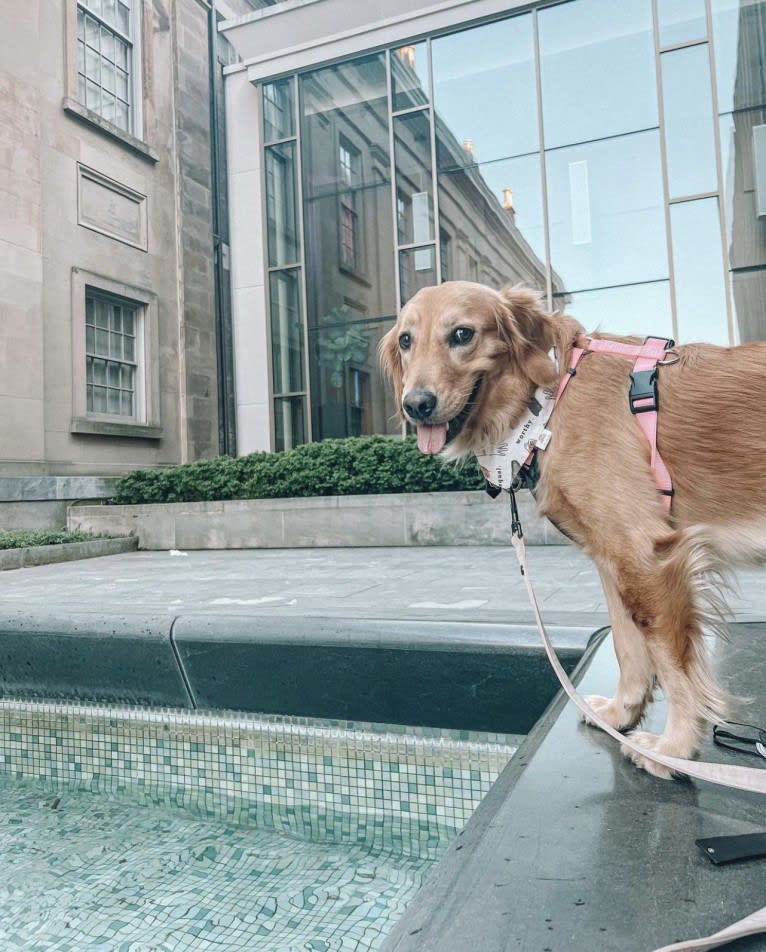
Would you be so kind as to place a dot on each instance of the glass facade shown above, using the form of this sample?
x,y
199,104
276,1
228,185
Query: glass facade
x,y
599,152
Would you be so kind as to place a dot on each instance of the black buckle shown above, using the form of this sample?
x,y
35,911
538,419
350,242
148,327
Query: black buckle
x,y
643,386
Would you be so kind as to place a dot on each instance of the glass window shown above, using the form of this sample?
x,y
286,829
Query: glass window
x,y
409,76
606,213
699,275
749,291
281,207
497,209
110,354
351,396
597,69
278,122
739,35
286,331
746,237
681,21
417,269
689,130
349,241
641,309
349,226
104,55
412,157
485,97
289,422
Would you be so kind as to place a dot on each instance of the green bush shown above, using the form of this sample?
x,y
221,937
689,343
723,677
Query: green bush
x,y
357,465
22,538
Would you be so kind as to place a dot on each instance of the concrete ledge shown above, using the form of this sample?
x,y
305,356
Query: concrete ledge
x,y
40,502
467,675
457,518
440,674
63,552
574,848
93,657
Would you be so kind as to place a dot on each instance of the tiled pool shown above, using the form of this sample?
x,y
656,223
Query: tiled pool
x,y
142,830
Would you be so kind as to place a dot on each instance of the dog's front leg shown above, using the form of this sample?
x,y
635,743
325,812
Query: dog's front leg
x,y
634,688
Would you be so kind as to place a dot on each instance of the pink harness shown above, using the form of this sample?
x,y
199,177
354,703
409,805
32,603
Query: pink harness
x,y
643,392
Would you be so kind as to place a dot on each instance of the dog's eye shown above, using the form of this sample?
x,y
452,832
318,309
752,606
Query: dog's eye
x,y
405,342
461,335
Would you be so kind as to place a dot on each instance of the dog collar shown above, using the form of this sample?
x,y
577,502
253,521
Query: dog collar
x,y
501,463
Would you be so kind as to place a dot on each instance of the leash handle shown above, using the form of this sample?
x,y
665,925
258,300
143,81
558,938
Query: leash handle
x,y
740,778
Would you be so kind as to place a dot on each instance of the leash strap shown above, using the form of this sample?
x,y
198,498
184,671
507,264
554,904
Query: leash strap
x,y
740,778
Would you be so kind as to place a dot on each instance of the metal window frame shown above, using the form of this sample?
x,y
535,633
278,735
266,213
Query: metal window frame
x,y
426,38
133,42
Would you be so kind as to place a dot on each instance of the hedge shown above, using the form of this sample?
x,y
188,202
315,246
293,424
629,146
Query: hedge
x,y
23,538
335,467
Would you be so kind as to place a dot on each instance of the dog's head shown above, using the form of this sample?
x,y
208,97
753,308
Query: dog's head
x,y
465,360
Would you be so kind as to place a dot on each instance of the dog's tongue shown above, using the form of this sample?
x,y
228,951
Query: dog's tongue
x,y
431,438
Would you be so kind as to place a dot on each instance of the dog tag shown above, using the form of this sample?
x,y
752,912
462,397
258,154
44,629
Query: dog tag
x,y
728,849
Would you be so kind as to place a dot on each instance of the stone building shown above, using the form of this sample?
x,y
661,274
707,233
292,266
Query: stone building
x,y
213,209
114,344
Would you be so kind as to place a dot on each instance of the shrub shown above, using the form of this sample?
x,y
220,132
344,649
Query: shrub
x,y
22,538
341,467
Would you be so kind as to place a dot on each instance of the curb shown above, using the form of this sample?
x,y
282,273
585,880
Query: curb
x,y
64,552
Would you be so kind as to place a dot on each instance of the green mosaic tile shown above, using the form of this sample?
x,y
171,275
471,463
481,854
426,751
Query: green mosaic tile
x,y
126,828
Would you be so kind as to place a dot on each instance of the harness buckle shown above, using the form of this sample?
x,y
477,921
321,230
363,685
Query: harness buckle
x,y
643,397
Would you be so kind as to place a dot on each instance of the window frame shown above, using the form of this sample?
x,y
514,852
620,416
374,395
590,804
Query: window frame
x,y
145,423
350,214
138,86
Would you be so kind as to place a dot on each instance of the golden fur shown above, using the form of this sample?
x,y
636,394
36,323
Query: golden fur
x,y
595,479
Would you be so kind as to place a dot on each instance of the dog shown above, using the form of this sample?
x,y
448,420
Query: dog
x,y
466,361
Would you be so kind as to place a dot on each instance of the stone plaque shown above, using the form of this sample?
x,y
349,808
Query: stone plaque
x,y
111,208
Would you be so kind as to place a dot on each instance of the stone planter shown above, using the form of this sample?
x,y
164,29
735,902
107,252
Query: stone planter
x,y
459,518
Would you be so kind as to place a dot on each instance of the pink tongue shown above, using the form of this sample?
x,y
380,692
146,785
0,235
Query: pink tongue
x,y
431,438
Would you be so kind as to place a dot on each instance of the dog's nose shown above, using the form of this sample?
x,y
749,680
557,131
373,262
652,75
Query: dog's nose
x,y
419,405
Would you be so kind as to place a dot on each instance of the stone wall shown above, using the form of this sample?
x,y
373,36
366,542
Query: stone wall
x,y
459,518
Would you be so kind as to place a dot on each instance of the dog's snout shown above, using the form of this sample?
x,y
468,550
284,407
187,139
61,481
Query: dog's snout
x,y
419,405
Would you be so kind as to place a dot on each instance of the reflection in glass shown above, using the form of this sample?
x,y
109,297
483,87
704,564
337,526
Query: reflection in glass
x,y
286,331
497,210
417,269
409,76
278,122
746,236
699,275
750,304
642,309
412,157
353,398
689,132
681,21
597,68
485,95
739,35
349,236
281,218
606,212
289,422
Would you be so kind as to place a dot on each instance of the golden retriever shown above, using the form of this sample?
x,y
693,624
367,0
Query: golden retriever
x,y
466,360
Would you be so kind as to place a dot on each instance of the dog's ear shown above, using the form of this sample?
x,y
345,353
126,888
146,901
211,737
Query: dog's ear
x,y
391,361
529,331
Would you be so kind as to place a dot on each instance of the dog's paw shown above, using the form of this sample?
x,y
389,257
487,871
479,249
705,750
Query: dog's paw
x,y
659,744
619,716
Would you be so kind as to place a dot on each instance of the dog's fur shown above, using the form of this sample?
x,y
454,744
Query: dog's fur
x,y
595,479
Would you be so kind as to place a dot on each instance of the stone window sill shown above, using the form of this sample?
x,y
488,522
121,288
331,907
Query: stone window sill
x,y
95,427
93,119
